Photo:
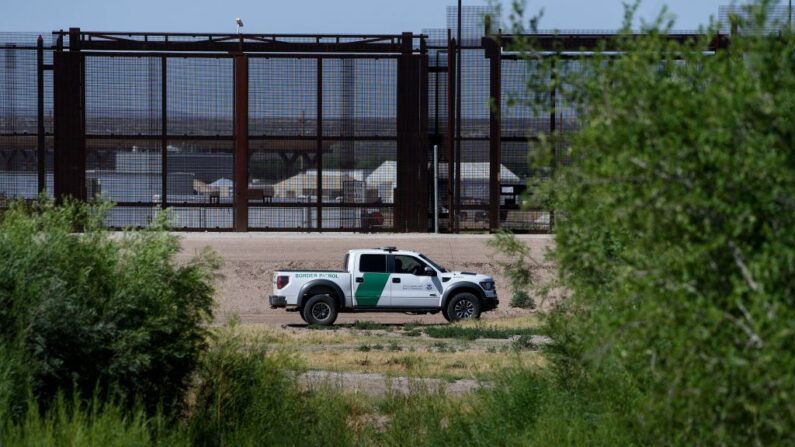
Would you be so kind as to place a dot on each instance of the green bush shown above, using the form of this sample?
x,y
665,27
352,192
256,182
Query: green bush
x,y
518,268
676,238
98,313
523,300
247,396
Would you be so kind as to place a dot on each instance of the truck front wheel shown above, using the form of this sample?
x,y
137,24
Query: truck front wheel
x,y
464,306
320,310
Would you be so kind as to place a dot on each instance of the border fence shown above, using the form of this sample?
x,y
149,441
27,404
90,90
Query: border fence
x,y
238,132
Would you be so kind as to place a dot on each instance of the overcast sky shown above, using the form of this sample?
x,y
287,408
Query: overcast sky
x,y
313,16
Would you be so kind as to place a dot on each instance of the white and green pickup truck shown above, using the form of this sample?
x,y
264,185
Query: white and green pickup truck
x,y
383,280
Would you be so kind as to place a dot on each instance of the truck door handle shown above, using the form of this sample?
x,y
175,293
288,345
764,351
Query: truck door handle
x,y
360,279
396,280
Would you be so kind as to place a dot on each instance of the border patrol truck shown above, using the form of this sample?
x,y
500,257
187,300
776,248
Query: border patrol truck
x,y
383,280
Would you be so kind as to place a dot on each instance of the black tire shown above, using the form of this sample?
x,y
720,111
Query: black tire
x,y
464,306
446,315
320,310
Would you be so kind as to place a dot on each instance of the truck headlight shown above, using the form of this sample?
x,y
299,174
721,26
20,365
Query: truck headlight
x,y
487,285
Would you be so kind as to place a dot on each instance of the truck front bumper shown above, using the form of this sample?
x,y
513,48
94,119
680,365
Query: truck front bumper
x,y
277,301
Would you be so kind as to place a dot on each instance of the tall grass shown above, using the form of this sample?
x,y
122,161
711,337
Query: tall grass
x,y
75,423
246,395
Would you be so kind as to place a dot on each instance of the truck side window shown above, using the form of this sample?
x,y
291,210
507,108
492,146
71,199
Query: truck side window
x,y
372,263
409,265
345,263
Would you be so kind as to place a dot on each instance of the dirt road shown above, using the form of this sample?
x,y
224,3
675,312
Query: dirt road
x,y
251,258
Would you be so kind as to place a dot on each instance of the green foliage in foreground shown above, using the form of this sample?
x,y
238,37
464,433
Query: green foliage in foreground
x,y
676,238
77,424
96,314
247,396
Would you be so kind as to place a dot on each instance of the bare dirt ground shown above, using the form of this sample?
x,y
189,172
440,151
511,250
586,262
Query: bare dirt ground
x,y
251,258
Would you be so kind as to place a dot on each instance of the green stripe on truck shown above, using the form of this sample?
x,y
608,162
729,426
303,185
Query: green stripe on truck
x,y
369,292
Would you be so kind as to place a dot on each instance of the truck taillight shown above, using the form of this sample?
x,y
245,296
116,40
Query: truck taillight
x,y
282,281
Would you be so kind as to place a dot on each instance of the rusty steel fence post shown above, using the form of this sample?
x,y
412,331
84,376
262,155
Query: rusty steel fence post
x,y
163,132
494,53
68,89
412,159
319,156
423,174
240,175
41,152
451,131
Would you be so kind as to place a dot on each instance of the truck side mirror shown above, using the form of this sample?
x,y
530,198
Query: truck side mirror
x,y
430,272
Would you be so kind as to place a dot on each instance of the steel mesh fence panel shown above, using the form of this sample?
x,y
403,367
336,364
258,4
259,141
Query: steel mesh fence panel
x,y
121,216
123,171
359,103
526,113
283,172
200,152
519,117
200,172
567,122
18,117
371,178
18,91
25,39
18,173
359,97
284,145
374,97
275,218
367,218
473,183
437,95
475,94
282,97
123,119
123,95
200,95
473,21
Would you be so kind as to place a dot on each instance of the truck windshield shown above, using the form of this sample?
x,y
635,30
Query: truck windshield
x,y
435,265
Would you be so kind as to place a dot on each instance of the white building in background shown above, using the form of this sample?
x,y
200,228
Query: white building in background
x,y
304,184
474,180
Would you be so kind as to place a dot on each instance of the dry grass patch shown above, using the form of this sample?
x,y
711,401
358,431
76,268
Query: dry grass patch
x,y
520,322
428,363
407,350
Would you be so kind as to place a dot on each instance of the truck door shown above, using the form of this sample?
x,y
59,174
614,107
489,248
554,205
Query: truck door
x,y
370,282
411,286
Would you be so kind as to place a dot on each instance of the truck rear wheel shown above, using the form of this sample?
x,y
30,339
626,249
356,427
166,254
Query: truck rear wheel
x,y
464,306
320,310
